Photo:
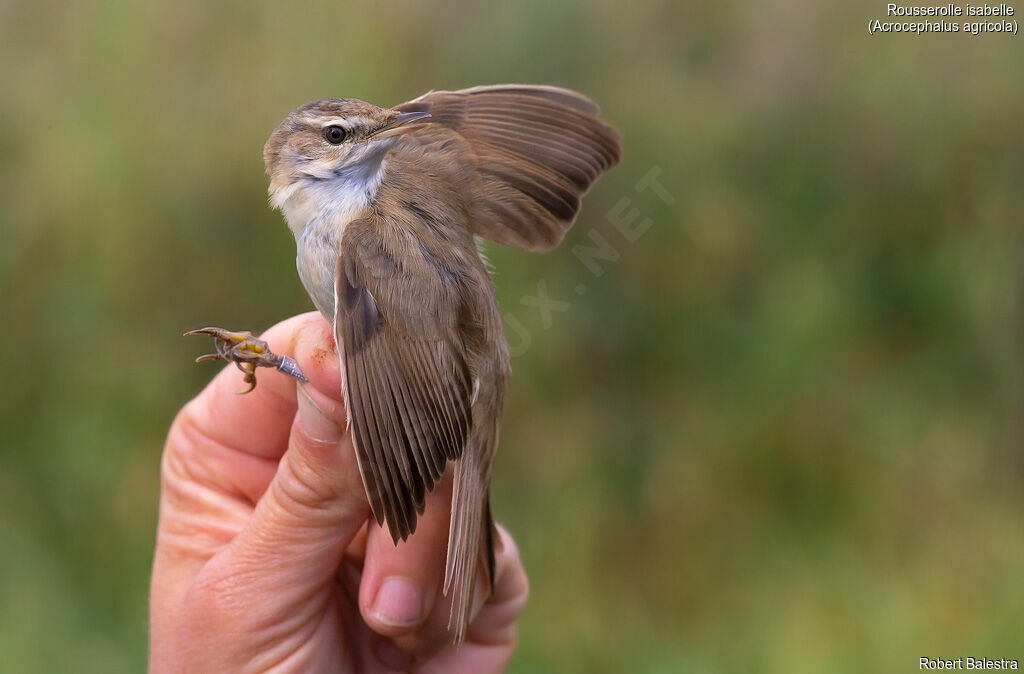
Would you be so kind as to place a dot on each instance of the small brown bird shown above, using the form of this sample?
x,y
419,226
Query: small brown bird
x,y
385,205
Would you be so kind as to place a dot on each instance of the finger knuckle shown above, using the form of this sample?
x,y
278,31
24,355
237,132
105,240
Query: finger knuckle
x,y
299,485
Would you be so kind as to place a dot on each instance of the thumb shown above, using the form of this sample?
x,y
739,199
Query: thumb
x,y
294,542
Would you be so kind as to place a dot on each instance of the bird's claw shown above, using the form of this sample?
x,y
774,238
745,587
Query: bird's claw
x,y
247,353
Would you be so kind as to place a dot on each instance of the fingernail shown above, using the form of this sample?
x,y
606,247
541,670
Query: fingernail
x,y
393,657
399,602
315,422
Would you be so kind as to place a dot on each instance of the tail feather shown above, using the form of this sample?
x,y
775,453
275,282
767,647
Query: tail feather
x,y
469,540
490,534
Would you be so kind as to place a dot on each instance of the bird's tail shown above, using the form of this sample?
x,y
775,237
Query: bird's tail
x,y
471,532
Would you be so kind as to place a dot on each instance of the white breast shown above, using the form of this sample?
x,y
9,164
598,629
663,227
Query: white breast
x,y
316,254
318,209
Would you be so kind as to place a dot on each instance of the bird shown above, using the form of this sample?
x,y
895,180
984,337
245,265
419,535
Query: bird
x,y
388,207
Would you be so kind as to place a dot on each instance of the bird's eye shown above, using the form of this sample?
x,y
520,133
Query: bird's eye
x,y
334,135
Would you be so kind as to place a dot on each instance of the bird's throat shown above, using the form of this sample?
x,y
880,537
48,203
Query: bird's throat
x,y
335,195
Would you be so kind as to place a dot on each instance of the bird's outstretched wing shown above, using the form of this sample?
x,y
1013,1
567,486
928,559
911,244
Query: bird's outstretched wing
x,y
536,149
407,385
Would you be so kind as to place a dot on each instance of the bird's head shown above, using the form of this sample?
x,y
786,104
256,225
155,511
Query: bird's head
x,y
335,139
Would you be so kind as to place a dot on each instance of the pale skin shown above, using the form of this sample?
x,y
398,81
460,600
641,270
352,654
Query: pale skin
x,y
267,558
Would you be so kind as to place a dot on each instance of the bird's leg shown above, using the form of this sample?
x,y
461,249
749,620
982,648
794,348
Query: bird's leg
x,y
247,353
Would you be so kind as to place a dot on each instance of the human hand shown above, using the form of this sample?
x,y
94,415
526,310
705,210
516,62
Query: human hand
x,y
267,557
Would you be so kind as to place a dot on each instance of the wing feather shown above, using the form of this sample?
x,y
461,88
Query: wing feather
x,y
536,149
406,384
428,411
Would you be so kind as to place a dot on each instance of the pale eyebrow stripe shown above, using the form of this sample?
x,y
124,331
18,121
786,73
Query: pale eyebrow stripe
x,y
347,122
332,121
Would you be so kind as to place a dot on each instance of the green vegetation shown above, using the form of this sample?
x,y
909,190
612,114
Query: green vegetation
x,y
781,433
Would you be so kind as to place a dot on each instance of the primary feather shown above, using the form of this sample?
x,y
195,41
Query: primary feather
x,y
536,149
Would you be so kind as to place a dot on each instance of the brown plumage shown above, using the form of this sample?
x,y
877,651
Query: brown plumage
x,y
384,205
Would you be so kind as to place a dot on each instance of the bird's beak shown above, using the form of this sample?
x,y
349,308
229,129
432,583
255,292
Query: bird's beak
x,y
403,122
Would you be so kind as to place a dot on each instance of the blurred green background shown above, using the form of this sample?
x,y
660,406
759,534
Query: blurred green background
x,y
781,433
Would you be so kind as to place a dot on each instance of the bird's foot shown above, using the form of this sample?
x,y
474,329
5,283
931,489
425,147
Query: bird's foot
x,y
247,353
